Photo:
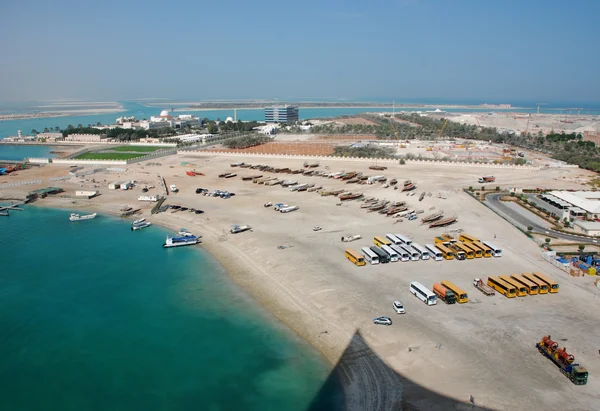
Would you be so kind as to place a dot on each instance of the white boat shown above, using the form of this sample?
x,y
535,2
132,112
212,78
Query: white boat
x,y
183,232
77,217
140,221
141,225
239,229
180,241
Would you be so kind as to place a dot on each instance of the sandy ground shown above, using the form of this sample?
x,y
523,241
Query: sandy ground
x,y
441,354
532,124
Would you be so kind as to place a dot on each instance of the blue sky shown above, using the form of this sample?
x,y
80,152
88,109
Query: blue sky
x,y
490,50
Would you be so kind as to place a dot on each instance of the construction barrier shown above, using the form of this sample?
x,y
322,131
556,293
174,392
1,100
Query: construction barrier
x,y
19,184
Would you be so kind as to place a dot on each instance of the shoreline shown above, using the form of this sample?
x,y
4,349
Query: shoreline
x,y
236,273
301,277
358,387
64,113
398,108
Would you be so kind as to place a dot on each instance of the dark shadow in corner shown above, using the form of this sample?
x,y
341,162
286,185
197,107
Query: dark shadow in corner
x,y
377,386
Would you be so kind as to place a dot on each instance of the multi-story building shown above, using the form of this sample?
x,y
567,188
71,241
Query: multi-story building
x,y
281,114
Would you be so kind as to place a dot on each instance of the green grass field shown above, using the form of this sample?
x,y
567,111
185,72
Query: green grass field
x,y
108,156
136,149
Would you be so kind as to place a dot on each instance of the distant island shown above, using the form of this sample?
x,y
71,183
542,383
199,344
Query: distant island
x,y
313,104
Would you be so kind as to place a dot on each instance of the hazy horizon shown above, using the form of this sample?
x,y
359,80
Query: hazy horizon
x,y
492,52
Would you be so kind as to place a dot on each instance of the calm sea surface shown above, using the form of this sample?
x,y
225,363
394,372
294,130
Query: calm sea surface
x,y
94,316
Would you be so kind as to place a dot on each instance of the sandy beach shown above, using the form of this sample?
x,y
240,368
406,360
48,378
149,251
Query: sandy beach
x,y
431,358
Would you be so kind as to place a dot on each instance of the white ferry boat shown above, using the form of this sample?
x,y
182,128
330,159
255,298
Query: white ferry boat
x,y
141,225
77,217
180,241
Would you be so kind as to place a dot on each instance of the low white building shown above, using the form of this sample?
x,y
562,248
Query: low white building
x,y
591,228
577,202
191,138
86,194
114,186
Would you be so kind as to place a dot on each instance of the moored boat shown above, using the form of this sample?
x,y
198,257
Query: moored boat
x,y
141,225
77,217
180,241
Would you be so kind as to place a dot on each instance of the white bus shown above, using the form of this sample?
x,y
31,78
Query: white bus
x,y
496,252
405,240
393,239
424,294
434,252
414,254
370,256
402,254
389,251
421,250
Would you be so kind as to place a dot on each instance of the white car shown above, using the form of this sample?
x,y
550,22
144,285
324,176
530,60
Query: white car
x,y
399,308
382,321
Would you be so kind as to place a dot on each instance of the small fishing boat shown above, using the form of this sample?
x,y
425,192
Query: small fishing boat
x,y
141,225
432,217
444,222
350,196
77,217
140,221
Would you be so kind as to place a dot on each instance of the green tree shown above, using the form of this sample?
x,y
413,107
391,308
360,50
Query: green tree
x,y
497,188
529,228
512,193
45,129
581,248
547,240
34,131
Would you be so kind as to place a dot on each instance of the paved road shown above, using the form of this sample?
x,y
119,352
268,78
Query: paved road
x,y
521,220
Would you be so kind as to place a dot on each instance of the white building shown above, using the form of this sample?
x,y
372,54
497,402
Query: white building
x,y
191,138
577,203
591,228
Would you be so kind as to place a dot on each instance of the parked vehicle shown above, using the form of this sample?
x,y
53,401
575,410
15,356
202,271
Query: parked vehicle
x,y
444,293
382,321
484,288
563,360
398,307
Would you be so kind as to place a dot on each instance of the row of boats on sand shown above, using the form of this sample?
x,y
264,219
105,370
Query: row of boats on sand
x,y
351,177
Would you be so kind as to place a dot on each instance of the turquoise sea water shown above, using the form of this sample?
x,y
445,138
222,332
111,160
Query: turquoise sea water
x,y
96,317
16,152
